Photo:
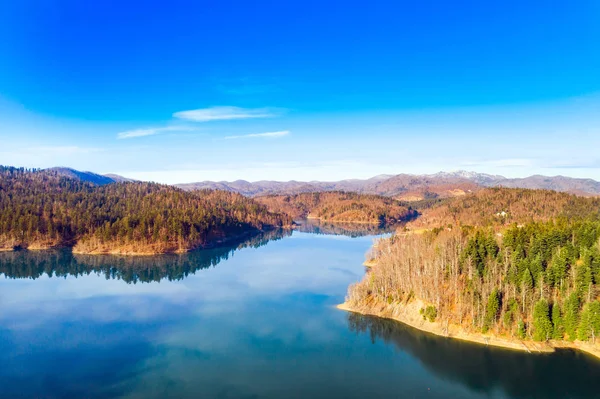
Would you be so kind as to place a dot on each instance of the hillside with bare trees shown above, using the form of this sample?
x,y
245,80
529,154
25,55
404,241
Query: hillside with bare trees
x,y
530,274
502,207
340,207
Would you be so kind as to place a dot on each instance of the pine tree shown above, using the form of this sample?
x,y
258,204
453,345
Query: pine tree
x,y
526,287
557,323
589,325
542,326
571,316
492,309
511,310
583,280
521,329
558,267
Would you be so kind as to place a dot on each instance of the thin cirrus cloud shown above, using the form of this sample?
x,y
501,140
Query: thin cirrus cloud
x,y
208,115
129,134
271,135
226,113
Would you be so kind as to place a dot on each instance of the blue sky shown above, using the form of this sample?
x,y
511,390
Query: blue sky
x,y
184,91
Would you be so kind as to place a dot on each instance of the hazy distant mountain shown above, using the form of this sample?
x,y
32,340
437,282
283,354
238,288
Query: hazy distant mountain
x,y
406,186
265,187
117,178
557,183
479,178
403,186
88,176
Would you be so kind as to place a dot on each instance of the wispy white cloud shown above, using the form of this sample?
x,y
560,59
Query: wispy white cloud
x,y
207,115
226,113
271,135
129,134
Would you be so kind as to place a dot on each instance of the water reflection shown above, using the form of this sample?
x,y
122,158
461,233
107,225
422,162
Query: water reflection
x,y
316,226
565,374
260,325
131,269
242,329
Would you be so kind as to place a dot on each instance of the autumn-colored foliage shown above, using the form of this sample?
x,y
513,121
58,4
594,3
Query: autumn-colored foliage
x,y
340,207
537,277
40,209
504,206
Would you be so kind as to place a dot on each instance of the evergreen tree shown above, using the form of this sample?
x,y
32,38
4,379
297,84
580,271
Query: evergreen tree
x,y
492,309
571,316
542,326
557,323
521,329
509,316
559,267
583,279
589,325
526,287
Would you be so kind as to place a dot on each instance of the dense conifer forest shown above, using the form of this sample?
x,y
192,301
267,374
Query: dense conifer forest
x,y
530,273
341,207
41,209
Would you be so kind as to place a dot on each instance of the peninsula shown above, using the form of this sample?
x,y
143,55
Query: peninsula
x,y
513,268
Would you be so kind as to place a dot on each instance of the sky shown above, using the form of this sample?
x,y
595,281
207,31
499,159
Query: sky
x,y
185,91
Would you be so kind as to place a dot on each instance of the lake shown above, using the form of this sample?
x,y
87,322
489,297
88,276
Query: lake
x,y
255,320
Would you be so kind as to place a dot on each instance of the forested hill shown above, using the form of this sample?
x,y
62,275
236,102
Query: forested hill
x,y
530,273
503,206
340,207
42,209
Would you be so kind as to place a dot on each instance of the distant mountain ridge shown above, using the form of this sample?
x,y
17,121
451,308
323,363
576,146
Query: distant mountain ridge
x,y
402,186
407,186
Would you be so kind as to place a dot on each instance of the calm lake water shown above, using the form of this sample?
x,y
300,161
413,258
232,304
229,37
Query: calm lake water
x,y
257,321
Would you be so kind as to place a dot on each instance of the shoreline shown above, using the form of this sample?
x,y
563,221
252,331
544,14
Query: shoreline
x,y
117,250
372,223
409,314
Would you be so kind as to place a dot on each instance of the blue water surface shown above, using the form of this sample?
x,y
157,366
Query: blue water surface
x,y
254,320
